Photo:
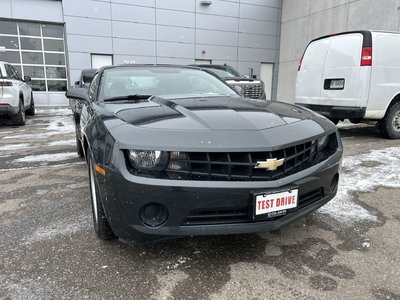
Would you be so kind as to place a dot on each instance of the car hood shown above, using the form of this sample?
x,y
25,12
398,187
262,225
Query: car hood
x,y
212,123
209,113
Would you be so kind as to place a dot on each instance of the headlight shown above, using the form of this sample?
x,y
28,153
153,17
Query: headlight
x,y
148,159
323,142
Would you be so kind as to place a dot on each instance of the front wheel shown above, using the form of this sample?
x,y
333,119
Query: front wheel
x,y
19,118
100,222
389,126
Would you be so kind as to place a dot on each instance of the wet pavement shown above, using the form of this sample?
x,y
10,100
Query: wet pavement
x,y
349,249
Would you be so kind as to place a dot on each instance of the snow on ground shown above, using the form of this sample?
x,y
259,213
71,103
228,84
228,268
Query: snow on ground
x,y
53,231
363,173
12,147
47,157
54,111
56,125
60,124
77,185
61,143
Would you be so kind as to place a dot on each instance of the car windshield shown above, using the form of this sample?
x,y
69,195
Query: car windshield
x,y
165,82
224,73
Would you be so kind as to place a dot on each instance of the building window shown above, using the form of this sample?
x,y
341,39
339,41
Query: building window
x,y
101,60
36,50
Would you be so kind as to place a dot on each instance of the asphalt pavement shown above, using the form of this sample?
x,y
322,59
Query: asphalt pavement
x,y
349,249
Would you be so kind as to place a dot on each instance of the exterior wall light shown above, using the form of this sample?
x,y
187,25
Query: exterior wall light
x,y
205,2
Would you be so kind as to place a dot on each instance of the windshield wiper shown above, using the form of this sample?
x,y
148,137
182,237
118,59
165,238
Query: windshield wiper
x,y
134,97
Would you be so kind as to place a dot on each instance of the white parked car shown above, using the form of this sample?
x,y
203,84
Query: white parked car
x,y
16,98
353,75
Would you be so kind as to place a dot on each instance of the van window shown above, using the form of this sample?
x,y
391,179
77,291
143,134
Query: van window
x,y
315,55
385,51
345,51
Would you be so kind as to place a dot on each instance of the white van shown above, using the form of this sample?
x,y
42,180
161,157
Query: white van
x,y
353,75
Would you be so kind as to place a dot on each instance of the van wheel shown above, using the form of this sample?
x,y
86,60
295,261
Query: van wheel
x,y
100,222
31,109
355,121
19,118
334,121
390,125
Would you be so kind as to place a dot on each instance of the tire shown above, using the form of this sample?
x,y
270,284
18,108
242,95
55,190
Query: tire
x,y
389,126
355,121
100,222
31,109
79,148
19,118
334,121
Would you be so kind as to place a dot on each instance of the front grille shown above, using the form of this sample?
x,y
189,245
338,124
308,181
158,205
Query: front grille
x,y
240,214
218,216
239,166
254,91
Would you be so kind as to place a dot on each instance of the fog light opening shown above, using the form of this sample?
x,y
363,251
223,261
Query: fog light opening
x,y
334,183
153,214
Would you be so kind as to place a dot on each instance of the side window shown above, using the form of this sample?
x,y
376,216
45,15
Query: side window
x,y
12,73
94,87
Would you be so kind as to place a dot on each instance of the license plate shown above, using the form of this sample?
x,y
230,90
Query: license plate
x,y
275,204
337,84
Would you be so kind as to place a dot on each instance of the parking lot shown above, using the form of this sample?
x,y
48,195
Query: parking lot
x,y
48,249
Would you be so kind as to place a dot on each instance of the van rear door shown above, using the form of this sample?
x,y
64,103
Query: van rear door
x,y
342,83
385,77
311,70
1,85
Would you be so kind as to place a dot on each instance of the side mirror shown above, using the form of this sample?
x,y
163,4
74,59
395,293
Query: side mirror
x,y
27,79
77,83
77,93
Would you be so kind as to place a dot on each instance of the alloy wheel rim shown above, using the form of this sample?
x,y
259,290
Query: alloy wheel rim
x,y
93,192
396,121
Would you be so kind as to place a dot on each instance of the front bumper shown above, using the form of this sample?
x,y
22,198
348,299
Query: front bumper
x,y
337,112
123,195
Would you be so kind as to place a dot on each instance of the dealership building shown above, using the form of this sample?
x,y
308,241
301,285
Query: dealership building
x,y
53,40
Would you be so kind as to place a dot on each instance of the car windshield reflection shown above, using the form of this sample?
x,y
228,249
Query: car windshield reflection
x,y
122,83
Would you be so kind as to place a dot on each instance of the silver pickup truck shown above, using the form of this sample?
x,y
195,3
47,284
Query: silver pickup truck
x,y
250,87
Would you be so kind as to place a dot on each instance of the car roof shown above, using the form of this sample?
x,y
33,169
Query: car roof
x,y
121,66
147,66
222,67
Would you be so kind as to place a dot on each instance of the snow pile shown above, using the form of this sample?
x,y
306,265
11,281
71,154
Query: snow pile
x,y
363,173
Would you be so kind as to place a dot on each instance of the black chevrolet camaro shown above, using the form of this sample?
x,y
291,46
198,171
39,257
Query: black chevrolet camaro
x,y
174,151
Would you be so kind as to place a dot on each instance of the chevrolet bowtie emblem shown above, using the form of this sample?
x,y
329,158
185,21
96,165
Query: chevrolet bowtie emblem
x,y
270,164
